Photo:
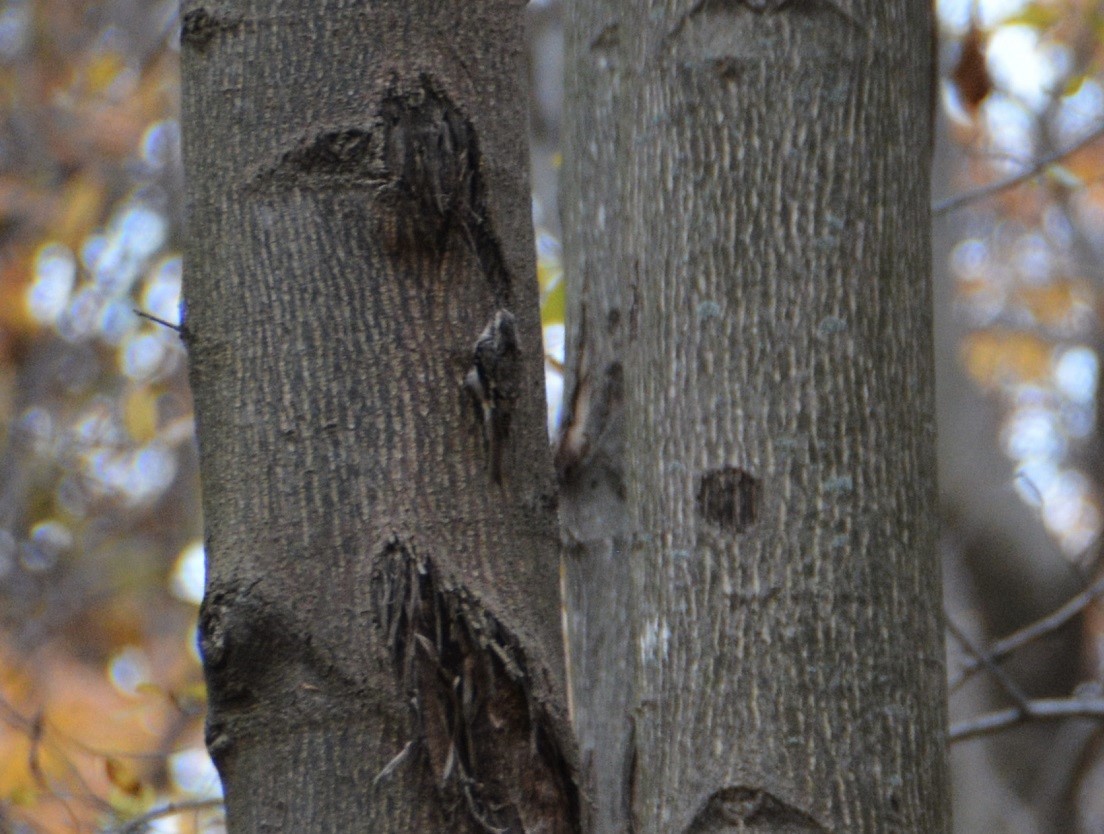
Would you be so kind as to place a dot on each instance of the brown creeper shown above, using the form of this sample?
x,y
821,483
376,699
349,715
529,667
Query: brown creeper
x,y
493,383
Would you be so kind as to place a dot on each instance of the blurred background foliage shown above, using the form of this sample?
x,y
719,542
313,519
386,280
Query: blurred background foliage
x,y
101,557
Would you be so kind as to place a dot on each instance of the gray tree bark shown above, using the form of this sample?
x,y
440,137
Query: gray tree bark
x,y
748,462
381,627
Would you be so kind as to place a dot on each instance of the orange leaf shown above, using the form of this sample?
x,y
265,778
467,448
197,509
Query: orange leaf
x,y
1051,304
995,357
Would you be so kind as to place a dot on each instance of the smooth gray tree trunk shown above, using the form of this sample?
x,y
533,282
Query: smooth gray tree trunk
x,y
381,628
748,461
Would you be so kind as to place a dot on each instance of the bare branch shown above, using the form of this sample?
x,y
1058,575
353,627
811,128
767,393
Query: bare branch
x,y
1045,709
949,204
1040,628
137,825
176,328
1007,684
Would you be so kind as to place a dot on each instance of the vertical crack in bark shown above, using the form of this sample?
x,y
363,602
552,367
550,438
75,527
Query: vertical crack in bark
x,y
491,741
590,454
629,794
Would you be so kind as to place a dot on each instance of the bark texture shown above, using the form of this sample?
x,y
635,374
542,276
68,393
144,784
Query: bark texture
x,y
381,626
750,371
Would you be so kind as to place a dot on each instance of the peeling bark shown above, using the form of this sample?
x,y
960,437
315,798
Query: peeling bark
x,y
489,726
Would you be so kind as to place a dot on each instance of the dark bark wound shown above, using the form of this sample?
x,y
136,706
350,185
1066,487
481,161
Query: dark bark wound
x,y
416,171
489,738
199,27
739,809
432,155
345,152
729,498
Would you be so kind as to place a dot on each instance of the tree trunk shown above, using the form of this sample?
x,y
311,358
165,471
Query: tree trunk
x,y
381,629
749,446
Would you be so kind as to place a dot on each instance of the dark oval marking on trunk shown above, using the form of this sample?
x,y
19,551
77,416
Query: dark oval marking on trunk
x,y
729,498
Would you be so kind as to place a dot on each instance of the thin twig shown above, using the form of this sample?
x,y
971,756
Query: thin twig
x,y
1007,684
1044,709
137,825
176,328
949,204
1040,628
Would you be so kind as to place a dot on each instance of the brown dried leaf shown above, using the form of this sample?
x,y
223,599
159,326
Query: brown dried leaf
x,y
970,75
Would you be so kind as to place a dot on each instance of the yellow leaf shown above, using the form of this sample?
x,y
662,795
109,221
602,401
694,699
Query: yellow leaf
x,y
140,414
190,700
554,305
1036,16
23,796
103,70
994,357
123,777
1051,304
1074,84
549,272
81,209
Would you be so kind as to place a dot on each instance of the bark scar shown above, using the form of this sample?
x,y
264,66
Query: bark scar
x,y
490,736
743,808
436,184
729,498
199,27
416,171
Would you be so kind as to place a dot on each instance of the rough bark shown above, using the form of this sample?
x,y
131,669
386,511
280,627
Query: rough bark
x,y
750,373
381,631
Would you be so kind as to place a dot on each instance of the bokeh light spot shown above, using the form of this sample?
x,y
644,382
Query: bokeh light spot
x,y
55,271
189,573
128,669
193,773
141,355
1075,373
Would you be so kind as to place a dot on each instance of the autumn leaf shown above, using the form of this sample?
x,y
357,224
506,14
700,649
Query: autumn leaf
x,y
970,75
123,777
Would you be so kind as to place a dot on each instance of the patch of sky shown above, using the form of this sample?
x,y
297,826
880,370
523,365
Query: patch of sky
x,y
55,272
